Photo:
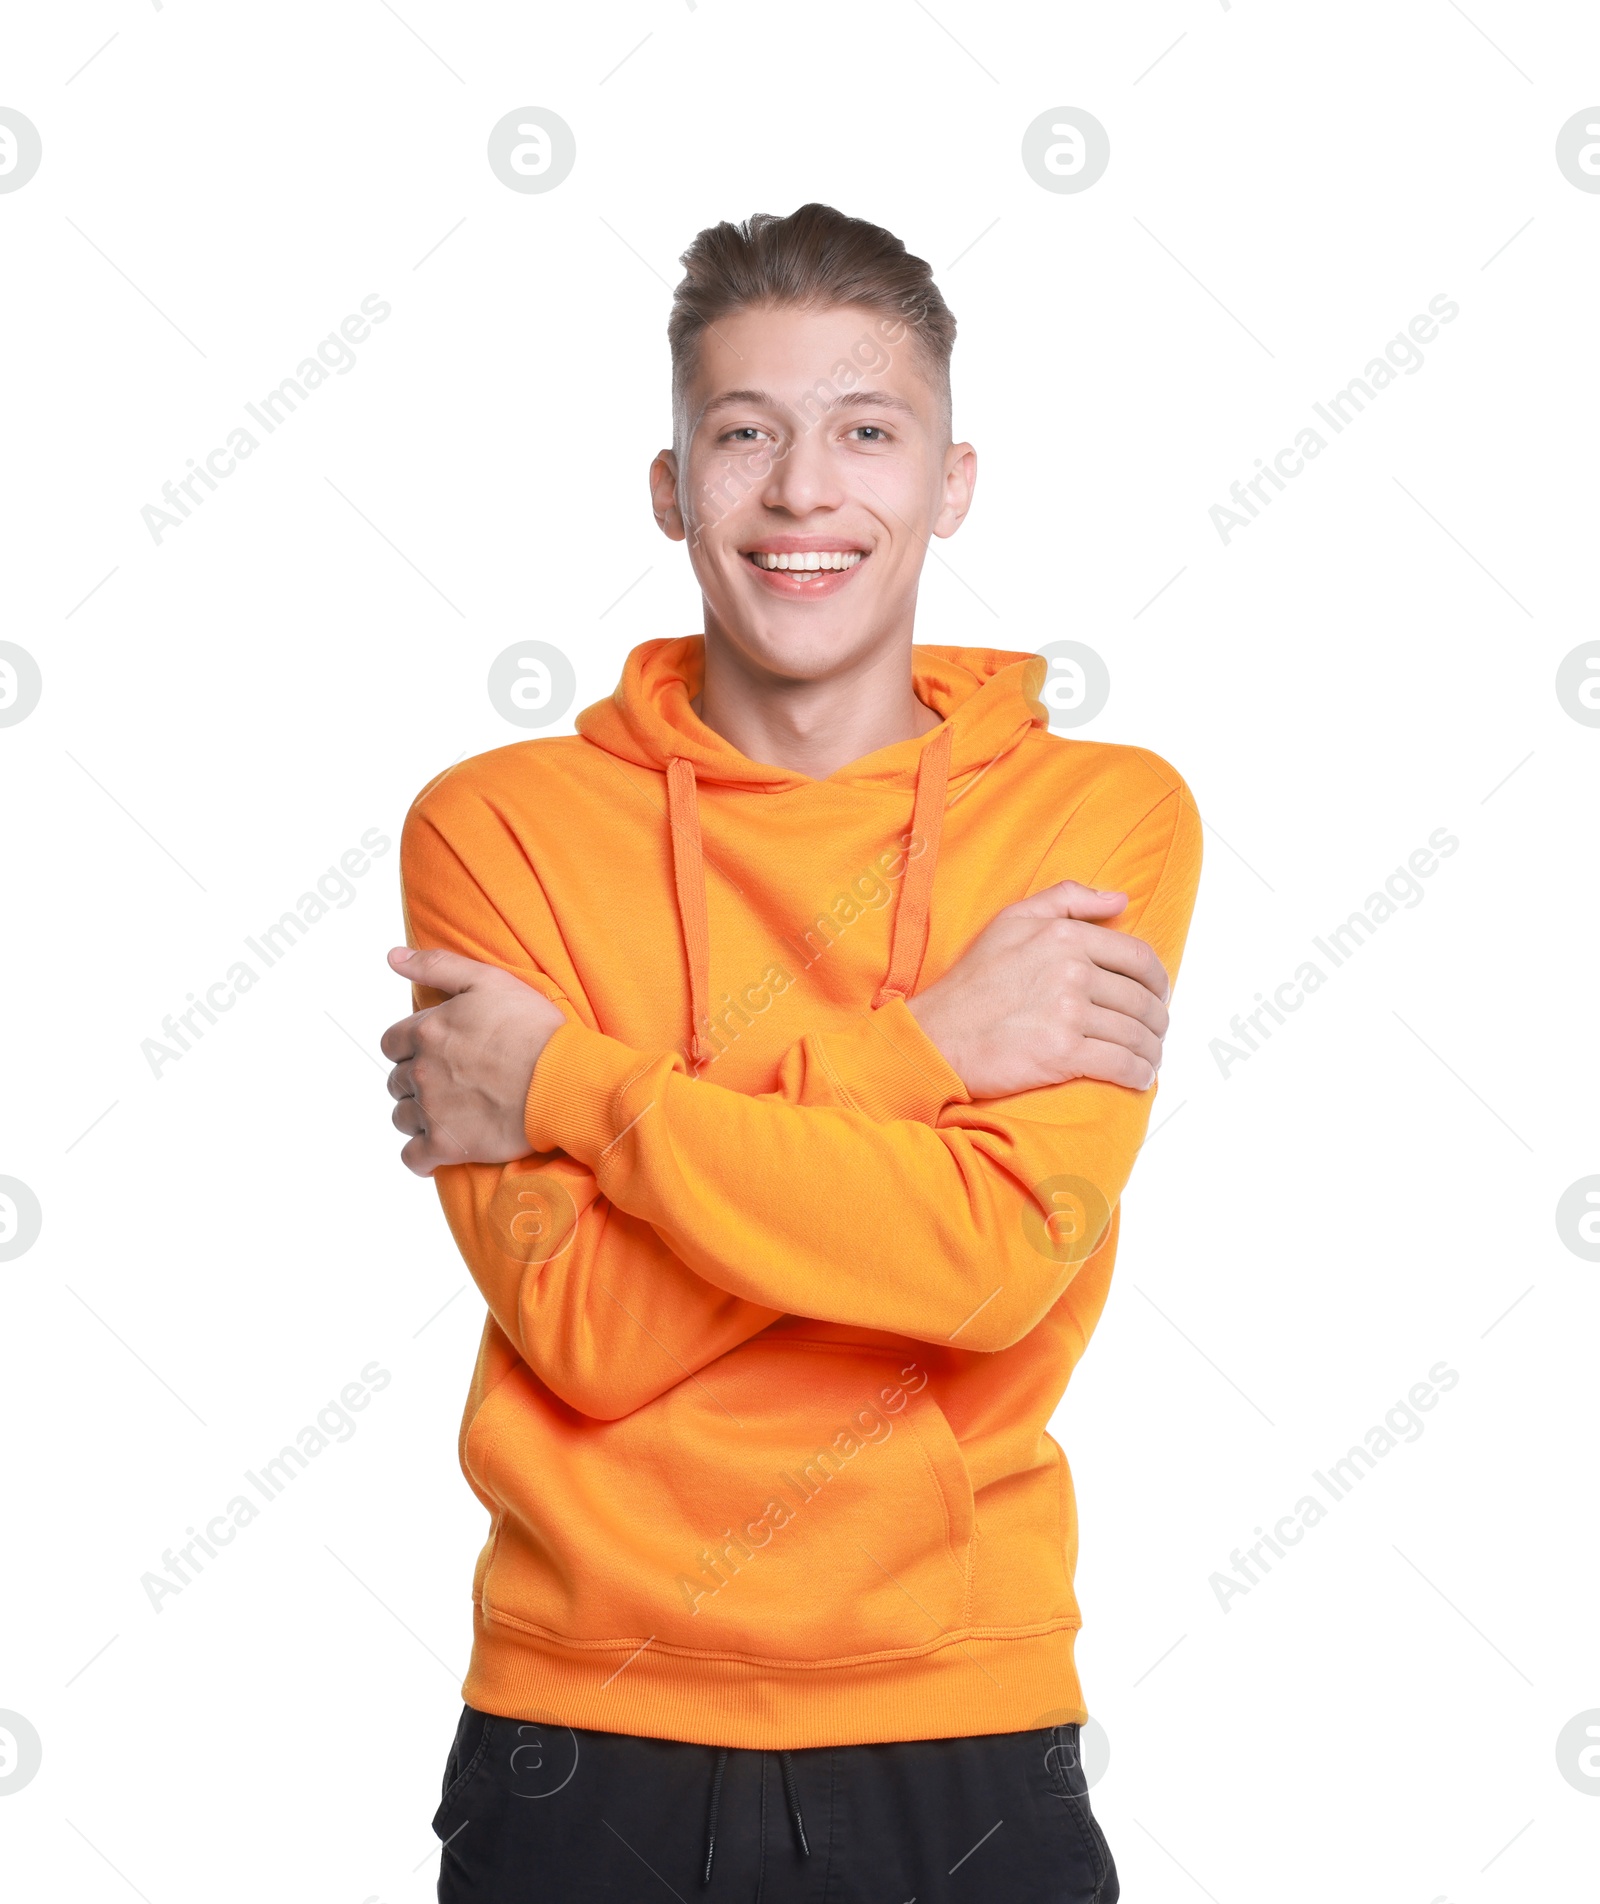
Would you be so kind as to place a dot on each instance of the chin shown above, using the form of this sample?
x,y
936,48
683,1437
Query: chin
x,y
807,653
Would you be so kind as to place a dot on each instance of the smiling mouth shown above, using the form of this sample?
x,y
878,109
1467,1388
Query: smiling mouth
x,y
813,561
804,575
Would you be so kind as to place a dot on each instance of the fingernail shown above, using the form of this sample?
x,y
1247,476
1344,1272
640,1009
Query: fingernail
x,y
401,952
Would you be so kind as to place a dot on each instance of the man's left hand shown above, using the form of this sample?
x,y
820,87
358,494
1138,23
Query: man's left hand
x,y
463,1069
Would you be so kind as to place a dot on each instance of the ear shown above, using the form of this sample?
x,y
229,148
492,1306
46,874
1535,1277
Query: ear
x,y
664,496
960,479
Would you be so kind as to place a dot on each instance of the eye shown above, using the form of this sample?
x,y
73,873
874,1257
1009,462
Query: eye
x,y
877,432
744,433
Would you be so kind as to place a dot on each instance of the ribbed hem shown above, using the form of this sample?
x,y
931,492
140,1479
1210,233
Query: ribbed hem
x,y
967,1686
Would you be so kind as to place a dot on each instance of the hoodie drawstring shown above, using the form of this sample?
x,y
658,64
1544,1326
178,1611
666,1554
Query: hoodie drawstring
x,y
689,877
908,938
786,1764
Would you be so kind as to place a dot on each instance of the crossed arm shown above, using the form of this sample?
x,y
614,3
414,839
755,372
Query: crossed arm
x,y
589,1185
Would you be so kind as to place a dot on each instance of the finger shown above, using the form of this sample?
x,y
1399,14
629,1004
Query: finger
x,y
1115,1064
418,1158
432,1141
1115,1028
1128,996
400,1041
1069,899
439,970
429,1146
402,1081
1122,952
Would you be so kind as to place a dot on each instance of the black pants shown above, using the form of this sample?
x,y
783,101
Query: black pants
x,y
547,1814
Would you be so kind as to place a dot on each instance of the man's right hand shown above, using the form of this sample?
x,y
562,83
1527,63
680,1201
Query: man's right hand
x,y
1046,994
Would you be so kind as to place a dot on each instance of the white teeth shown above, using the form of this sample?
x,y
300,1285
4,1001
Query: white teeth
x,y
811,559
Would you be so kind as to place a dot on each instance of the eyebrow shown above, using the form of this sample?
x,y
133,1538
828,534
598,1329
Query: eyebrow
x,y
851,399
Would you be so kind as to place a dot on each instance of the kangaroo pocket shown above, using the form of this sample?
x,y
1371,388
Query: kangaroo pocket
x,y
794,1500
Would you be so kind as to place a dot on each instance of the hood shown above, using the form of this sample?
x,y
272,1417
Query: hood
x,y
988,698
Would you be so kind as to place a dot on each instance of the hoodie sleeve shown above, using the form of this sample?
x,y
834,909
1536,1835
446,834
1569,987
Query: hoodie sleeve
x,y
596,1302
957,1222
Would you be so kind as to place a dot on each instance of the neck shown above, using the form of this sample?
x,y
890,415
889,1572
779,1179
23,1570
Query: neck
x,y
811,727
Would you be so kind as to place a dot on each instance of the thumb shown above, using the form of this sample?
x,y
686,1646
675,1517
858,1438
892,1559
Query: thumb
x,y
1071,900
439,970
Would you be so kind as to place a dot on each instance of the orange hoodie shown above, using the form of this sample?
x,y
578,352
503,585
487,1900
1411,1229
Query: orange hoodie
x,y
777,1313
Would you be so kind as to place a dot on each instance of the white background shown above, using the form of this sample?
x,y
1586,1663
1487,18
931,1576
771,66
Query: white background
x,y
224,714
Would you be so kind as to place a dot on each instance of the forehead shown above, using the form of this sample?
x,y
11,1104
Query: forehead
x,y
780,354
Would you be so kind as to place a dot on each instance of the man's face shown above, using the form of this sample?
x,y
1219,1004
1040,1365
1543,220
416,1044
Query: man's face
x,y
810,434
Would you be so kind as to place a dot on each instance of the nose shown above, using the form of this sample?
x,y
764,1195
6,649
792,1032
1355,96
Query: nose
x,y
803,477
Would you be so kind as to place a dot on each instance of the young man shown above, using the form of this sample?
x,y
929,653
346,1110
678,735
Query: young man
x,y
786,1047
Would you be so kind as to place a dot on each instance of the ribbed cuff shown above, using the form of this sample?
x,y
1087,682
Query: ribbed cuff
x,y
571,1102
891,1068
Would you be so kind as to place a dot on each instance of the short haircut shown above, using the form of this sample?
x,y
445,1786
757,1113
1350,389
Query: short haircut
x,y
814,258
